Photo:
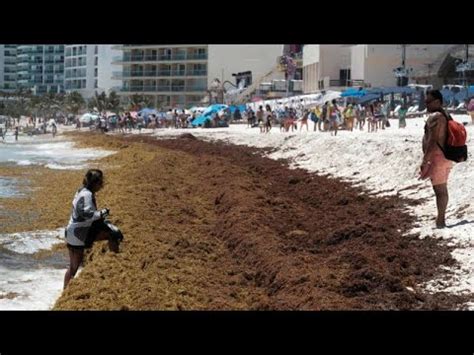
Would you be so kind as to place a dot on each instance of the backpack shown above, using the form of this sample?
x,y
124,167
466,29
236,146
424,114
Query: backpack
x,y
455,148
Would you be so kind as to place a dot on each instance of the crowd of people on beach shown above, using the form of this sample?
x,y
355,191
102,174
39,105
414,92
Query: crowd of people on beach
x,y
129,121
30,126
328,117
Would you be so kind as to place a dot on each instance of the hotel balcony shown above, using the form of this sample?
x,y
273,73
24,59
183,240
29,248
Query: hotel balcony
x,y
128,58
162,89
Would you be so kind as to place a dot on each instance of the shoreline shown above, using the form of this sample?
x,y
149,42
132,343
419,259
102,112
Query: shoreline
x,y
38,209
175,255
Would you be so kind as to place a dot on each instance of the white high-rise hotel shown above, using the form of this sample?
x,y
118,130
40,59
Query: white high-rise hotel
x,y
178,75
84,68
87,69
8,60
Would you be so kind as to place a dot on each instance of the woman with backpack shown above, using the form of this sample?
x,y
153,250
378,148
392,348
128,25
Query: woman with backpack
x,y
444,141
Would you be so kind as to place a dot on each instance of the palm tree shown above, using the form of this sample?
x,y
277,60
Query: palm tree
x,y
113,102
98,102
23,96
74,102
34,105
47,104
137,102
56,103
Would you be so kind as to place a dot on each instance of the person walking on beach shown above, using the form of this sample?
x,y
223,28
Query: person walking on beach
x,y
314,117
349,117
361,117
334,116
402,113
16,133
129,121
385,111
434,165
324,121
268,115
304,120
87,224
371,119
260,119
54,129
470,108
250,118
175,119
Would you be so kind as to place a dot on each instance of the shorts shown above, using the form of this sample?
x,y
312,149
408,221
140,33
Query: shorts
x,y
440,168
94,230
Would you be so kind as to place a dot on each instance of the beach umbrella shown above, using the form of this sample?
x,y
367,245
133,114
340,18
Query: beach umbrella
x,y
353,92
367,98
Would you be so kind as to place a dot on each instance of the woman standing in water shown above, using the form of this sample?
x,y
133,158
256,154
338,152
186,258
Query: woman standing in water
x,y
87,224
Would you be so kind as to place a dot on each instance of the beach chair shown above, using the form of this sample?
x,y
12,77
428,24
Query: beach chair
x,y
412,111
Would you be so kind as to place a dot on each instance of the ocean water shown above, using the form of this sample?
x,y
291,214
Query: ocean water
x,y
52,153
29,281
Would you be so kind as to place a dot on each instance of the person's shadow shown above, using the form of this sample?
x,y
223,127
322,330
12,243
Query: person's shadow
x,y
460,223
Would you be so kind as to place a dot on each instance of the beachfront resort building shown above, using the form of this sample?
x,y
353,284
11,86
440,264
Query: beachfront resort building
x,y
88,69
181,75
7,67
338,66
80,69
40,68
